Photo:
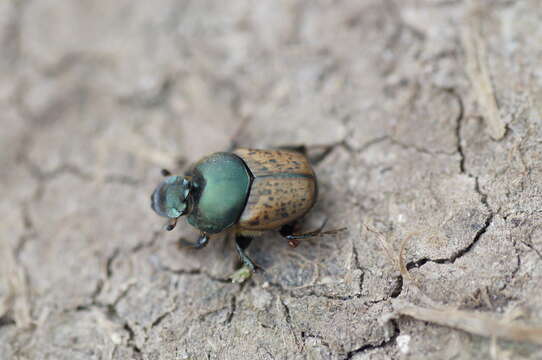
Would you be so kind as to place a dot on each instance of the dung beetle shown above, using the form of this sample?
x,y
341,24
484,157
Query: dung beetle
x,y
245,192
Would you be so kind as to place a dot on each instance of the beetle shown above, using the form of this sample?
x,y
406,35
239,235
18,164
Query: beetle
x,y
245,192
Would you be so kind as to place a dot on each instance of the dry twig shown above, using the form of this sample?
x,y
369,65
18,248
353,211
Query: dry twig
x,y
474,323
478,71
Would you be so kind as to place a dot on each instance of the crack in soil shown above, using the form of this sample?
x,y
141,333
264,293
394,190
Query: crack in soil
x,y
109,263
419,149
458,127
515,271
151,99
458,254
62,169
532,247
462,170
385,343
160,318
233,308
6,320
110,312
192,272
359,267
11,41
398,289
288,319
131,340
311,292
29,228
122,180
460,148
305,335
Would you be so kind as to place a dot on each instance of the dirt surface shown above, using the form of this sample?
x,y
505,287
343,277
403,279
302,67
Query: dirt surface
x,y
432,109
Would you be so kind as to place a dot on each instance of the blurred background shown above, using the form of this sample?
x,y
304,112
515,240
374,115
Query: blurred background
x,y
431,109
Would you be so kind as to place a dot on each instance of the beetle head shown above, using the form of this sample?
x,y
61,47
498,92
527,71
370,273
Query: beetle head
x,y
170,197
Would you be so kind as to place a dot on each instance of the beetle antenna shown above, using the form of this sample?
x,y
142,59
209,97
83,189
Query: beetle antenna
x,y
165,172
171,224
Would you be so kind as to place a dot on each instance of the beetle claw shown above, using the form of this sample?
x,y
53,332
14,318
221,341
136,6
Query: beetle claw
x,y
334,231
293,242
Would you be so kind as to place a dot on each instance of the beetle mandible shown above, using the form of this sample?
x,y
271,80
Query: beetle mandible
x,y
246,192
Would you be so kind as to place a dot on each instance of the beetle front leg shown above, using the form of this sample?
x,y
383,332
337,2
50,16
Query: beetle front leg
x,y
202,241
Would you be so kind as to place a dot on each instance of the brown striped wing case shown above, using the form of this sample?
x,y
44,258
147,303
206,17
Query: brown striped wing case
x,y
284,188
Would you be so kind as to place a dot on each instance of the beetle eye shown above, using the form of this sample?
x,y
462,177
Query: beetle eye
x,y
158,200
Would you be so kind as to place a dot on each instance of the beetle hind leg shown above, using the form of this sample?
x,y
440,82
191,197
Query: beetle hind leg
x,y
287,232
317,152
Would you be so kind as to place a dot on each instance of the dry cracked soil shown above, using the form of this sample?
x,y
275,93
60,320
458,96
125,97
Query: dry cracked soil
x,y
430,110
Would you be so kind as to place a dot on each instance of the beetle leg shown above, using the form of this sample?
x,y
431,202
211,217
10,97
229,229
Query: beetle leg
x,y
318,154
241,243
249,267
287,231
202,241
297,148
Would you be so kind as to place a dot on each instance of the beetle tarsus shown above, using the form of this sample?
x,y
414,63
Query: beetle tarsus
x,y
287,231
318,152
302,149
293,243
